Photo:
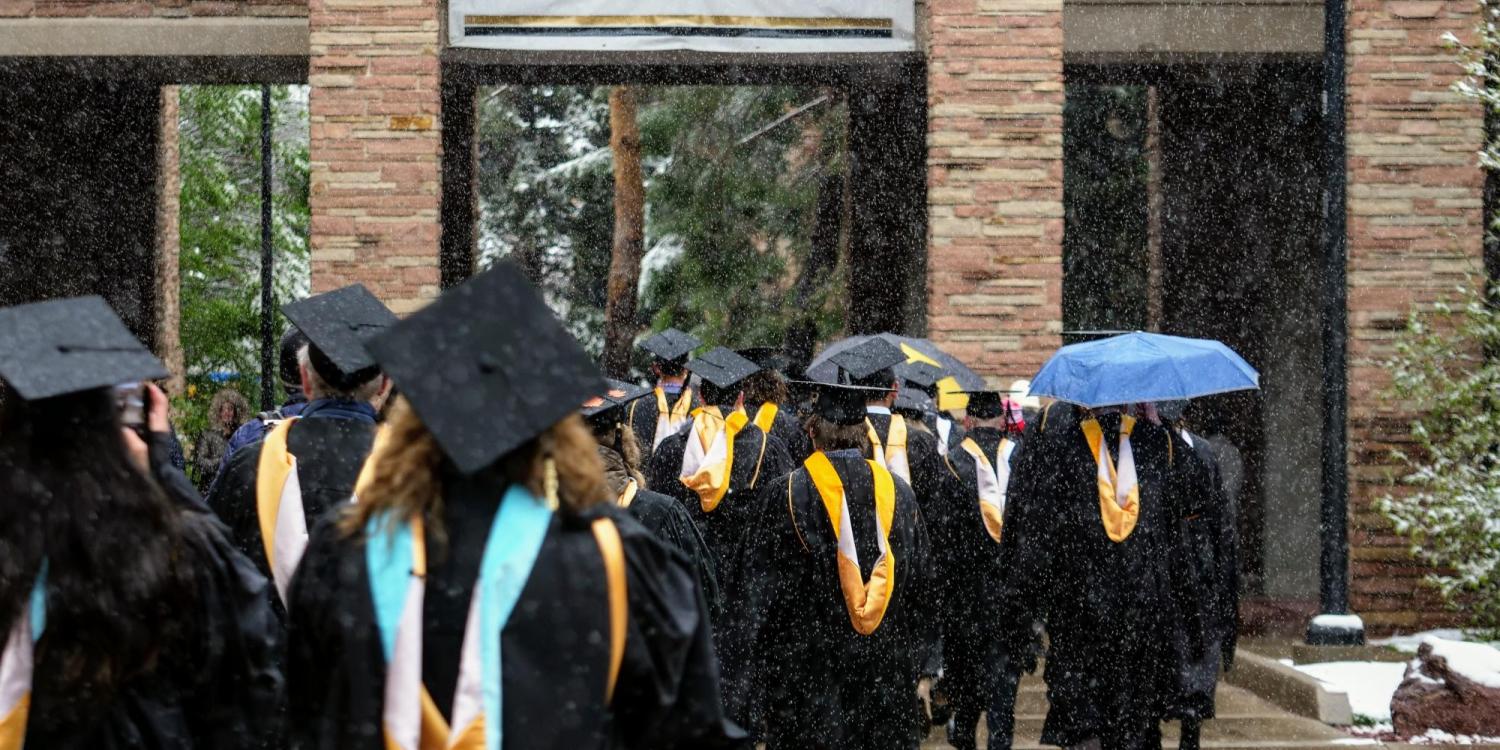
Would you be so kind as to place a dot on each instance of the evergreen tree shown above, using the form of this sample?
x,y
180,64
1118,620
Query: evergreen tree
x,y
219,221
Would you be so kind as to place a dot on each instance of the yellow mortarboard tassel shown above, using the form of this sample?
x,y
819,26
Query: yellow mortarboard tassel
x,y
549,482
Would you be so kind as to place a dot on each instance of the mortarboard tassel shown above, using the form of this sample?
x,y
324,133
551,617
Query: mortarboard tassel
x,y
549,482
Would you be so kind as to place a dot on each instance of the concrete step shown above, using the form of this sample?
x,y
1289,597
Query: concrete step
x,y
1245,721
1241,729
1230,701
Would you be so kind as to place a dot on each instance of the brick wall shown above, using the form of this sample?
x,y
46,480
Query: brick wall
x,y
1414,230
142,8
375,147
995,92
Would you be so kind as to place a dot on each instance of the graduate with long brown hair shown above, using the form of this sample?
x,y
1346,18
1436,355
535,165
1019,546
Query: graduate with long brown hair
x,y
131,622
484,589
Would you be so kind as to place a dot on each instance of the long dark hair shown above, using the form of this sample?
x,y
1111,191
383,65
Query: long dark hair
x,y
118,588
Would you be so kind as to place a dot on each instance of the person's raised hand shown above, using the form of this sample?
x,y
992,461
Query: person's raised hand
x,y
139,454
156,409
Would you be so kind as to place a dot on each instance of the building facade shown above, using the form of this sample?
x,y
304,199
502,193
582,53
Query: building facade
x,y
970,127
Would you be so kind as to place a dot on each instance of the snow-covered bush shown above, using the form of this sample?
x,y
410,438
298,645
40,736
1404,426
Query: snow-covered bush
x,y
1447,370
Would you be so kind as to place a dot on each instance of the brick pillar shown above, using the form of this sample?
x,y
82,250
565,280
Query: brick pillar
x,y
375,147
168,243
1414,231
995,176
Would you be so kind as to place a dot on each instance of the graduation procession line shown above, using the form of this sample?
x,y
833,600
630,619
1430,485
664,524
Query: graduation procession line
x,y
465,536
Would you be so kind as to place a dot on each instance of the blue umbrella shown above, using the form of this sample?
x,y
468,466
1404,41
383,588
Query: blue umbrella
x,y
1140,367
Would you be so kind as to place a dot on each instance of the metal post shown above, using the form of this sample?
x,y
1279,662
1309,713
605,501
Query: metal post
x,y
268,375
1335,626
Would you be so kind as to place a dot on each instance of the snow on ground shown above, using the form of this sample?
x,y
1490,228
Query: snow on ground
x,y
1409,643
1370,684
1479,662
1385,733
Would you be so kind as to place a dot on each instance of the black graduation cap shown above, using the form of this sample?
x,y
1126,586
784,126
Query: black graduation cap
x,y
617,393
767,357
840,403
921,374
337,324
671,345
65,346
487,367
985,404
722,367
869,358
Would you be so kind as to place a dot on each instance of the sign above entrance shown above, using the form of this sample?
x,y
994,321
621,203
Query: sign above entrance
x,y
767,26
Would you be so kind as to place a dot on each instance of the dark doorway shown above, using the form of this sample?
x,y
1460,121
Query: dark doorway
x,y
1237,217
79,158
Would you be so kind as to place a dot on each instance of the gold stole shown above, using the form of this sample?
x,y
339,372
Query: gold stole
x,y
992,480
765,416
708,454
627,495
16,668
865,601
278,505
670,419
1119,490
892,456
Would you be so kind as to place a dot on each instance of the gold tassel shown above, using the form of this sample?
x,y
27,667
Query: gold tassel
x,y
549,482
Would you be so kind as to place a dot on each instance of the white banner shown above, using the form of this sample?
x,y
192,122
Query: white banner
x,y
785,26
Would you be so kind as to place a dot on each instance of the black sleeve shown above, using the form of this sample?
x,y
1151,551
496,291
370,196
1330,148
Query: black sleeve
x,y
666,463
668,694
927,469
239,700
777,461
159,447
232,499
922,606
315,671
1227,572
682,533
1026,548
642,421
770,549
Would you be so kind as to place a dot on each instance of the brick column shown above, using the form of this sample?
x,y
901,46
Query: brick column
x,y
375,147
1414,231
995,176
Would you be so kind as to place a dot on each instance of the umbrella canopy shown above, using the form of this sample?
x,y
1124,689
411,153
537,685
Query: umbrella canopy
x,y
957,375
1141,367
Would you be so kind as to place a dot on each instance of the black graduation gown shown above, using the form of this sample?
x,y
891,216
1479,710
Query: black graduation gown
x,y
219,689
970,579
929,478
1109,609
641,416
725,531
555,646
666,518
758,458
329,451
1209,593
817,682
